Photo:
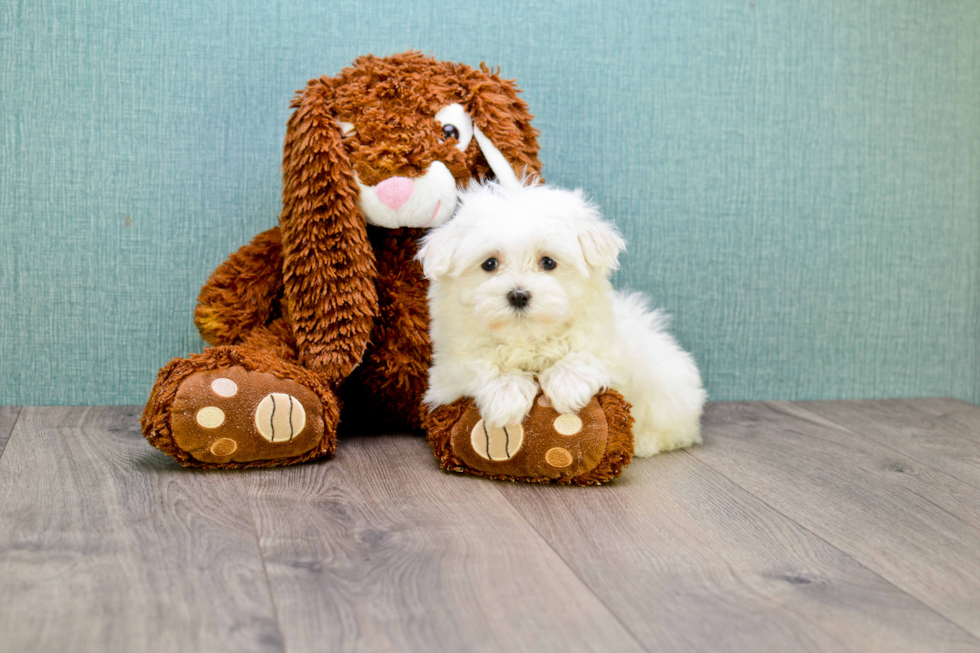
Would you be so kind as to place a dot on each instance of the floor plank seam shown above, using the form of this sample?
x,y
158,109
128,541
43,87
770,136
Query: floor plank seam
x,y
265,571
13,427
884,444
954,418
575,573
874,572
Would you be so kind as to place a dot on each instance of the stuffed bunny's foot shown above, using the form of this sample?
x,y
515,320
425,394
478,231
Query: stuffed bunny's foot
x,y
229,408
585,448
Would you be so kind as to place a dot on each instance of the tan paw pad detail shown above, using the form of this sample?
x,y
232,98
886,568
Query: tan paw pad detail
x,y
279,417
568,424
210,417
558,457
497,443
232,416
224,447
224,387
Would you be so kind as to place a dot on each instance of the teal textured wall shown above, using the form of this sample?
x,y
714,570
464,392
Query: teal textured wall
x,y
799,179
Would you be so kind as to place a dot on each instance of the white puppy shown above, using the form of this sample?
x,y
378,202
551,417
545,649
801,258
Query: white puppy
x,y
520,296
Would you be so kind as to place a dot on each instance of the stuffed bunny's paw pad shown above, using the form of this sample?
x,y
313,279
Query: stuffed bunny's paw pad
x,y
584,448
235,415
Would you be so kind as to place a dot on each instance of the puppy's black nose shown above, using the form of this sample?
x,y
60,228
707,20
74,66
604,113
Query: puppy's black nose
x,y
518,298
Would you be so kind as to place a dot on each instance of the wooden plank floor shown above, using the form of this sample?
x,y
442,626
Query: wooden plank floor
x,y
798,526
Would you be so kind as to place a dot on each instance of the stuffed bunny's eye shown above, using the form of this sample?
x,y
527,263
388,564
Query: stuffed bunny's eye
x,y
490,264
449,131
347,129
548,264
455,123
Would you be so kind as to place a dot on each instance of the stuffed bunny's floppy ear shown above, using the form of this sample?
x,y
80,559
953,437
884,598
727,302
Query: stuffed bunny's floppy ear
x,y
501,167
328,266
502,126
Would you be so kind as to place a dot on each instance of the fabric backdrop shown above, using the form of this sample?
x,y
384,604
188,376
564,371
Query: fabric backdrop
x,y
799,180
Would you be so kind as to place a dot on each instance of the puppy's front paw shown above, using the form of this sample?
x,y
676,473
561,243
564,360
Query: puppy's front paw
x,y
571,385
506,400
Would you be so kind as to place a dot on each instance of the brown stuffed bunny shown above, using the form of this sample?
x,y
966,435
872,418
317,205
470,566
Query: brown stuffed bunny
x,y
329,308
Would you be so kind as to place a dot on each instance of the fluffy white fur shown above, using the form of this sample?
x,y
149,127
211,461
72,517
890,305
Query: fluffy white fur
x,y
575,336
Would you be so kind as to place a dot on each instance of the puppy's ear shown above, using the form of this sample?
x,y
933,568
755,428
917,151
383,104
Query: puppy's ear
x,y
503,119
600,240
437,250
328,262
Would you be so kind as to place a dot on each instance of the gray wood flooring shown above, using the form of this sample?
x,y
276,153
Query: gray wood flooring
x,y
798,526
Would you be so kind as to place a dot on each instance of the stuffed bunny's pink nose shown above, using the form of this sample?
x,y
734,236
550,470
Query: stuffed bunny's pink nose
x,y
394,191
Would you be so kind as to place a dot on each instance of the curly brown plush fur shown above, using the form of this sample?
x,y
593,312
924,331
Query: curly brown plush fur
x,y
324,291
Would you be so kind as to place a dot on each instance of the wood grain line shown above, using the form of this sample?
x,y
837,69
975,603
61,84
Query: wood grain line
x,y
108,545
8,419
378,549
919,428
916,527
690,561
797,526
965,414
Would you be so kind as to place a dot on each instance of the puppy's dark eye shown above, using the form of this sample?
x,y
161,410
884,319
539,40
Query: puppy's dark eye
x,y
489,265
548,264
449,131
